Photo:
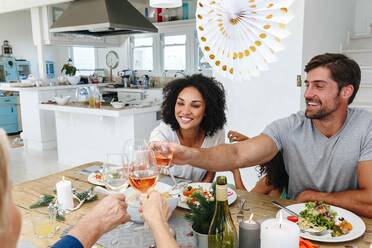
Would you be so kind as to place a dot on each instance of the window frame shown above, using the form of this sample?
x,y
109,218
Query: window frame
x,y
162,48
71,55
172,28
131,51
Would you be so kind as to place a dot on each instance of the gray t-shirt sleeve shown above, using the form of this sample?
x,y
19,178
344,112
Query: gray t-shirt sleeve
x,y
277,130
366,151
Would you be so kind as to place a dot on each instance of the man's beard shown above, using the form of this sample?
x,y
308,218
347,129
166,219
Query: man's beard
x,y
322,113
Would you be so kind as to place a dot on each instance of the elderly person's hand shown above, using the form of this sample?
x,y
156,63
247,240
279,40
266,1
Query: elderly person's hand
x,y
105,216
155,211
236,136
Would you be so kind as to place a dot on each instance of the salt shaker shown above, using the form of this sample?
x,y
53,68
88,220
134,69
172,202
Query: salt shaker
x,y
249,233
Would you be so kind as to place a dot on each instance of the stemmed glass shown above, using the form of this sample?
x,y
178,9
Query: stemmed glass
x,y
115,172
143,172
115,178
164,156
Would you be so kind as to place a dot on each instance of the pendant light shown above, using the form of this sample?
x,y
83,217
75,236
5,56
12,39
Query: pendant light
x,y
165,3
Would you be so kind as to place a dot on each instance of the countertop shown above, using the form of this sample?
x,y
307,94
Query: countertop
x,y
130,90
105,110
47,88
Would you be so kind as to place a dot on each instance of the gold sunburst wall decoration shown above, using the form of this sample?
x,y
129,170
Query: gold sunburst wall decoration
x,y
239,38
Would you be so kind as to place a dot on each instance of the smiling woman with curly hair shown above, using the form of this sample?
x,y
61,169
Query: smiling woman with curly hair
x,y
193,114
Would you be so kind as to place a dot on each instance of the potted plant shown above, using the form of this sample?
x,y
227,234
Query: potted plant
x,y
70,70
202,206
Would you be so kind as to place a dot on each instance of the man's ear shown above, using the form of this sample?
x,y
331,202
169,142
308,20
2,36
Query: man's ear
x,y
347,91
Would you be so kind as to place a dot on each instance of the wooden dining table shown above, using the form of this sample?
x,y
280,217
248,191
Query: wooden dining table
x,y
28,192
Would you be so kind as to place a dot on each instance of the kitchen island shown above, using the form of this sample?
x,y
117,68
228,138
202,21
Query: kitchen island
x,y
87,134
38,126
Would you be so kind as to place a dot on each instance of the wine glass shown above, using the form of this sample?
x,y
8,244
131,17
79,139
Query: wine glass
x,y
115,172
143,171
164,156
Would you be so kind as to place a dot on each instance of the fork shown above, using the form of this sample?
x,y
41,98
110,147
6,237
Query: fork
x,y
240,214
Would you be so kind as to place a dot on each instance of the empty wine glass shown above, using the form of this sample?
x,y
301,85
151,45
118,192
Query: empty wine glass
x,y
115,172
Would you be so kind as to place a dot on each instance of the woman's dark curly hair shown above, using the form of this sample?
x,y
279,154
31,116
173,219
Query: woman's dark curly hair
x,y
275,172
213,94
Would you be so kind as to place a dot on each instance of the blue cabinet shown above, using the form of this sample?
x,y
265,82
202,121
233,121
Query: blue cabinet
x,y
8,114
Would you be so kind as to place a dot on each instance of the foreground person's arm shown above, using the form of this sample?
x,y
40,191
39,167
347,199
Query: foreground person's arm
x,y
257,150
155,212
358,201
105,216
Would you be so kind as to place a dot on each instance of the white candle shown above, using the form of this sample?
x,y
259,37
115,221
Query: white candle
x,y
279,233
64,194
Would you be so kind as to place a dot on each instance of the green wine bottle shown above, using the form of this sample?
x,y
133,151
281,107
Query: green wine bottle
x,y
222,232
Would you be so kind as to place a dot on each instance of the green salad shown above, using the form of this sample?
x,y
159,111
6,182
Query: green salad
x,y
318,216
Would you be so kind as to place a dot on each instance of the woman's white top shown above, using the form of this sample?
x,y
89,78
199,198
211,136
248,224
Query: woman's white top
x,y
164,132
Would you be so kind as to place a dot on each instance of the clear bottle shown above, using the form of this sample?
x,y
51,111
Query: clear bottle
x,y
97,98
222,232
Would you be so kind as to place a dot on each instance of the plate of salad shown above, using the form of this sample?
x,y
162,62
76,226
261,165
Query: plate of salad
x,y
335,224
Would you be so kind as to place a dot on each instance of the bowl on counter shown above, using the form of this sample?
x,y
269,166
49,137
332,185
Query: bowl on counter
x,y
117,105
62,100
73,79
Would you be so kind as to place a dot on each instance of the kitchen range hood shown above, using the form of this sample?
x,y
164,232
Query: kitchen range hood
x,y
102,18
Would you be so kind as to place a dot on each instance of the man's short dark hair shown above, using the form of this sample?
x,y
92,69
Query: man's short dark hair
x,y
213,94
343,70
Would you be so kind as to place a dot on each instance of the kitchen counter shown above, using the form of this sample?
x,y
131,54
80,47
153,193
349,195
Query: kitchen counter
x,y
87,134
105,110
38,127
8,87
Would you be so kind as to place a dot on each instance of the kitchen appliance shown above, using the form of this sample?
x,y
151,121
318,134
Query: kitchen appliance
x,y
102,18
6,49
23,68
125,77
8,69
13,70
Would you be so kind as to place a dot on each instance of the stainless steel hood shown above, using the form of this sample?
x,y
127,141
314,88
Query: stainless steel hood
x,y
102,18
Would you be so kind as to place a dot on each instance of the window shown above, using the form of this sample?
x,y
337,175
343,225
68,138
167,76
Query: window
x,y
174,52
142,53
84,59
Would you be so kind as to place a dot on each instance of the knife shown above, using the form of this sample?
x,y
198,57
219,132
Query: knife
x,y
285,208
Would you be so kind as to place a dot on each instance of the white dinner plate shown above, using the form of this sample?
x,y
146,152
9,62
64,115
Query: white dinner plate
x,y
231,194
358,225
93,180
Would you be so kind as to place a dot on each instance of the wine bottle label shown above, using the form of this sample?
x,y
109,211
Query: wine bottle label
x,y
221,192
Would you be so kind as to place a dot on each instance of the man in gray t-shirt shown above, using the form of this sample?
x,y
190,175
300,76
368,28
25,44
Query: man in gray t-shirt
x,y
327,149
314,161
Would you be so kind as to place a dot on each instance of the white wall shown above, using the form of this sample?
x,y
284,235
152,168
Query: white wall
x,y
122,51
16,28
57,54
255,103
363,16
326,27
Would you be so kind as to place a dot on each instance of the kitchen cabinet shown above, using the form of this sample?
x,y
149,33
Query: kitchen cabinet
x,y
88,134
8,114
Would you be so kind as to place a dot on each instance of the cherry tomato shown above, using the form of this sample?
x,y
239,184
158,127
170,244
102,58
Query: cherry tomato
x,y
292,218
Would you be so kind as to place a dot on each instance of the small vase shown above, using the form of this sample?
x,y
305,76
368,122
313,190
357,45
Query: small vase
x,y
201,240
